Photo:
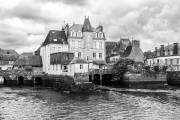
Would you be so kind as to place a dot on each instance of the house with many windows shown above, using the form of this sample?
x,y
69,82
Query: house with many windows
x,y
87,42
165,56
75,49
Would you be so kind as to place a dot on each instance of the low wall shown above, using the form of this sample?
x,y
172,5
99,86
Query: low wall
x,y
132,80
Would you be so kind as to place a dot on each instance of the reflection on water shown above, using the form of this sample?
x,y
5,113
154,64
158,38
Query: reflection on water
x,y
29,104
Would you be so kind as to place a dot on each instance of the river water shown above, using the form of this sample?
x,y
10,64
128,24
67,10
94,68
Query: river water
x,y
30,104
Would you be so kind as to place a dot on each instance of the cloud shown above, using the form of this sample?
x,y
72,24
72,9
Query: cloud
x,y
153,22
69,2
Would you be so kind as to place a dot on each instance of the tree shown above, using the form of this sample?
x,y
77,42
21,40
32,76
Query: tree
x,y
120,68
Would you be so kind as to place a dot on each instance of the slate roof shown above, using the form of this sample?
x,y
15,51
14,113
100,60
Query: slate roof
x,y
78,60
8,57
34,61
63,58
8,52
134,53
55,37
76,27
87,25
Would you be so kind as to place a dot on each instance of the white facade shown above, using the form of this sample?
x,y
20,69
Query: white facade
x,y
173,62
70,69
45,52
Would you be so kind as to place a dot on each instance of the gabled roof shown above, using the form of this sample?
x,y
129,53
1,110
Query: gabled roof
x,y
34,61
78,60
76,27
134,53
8,52
56,37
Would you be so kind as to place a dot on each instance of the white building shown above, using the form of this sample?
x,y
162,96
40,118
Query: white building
x,y
56,41
165,56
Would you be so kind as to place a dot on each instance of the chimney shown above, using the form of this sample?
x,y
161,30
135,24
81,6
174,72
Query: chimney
x,y
162,52
100,28
155,52
175,49
135,43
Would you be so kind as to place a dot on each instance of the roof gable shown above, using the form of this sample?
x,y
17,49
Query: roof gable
x,y
56,37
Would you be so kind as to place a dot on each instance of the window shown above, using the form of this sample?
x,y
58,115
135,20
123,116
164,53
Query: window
x,y
157,61
100,55
59,49
79,54
97,44
100,44
79,34
100,35
94,55
166,61
73,43
171,61
79,44
94,44
65,68
52,49
76,44
177,60
81,66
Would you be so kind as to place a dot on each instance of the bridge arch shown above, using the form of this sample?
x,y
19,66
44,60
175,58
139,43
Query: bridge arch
x,y
20,80
38,81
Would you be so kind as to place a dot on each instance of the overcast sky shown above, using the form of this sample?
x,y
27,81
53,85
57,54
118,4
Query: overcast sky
x,y
24,23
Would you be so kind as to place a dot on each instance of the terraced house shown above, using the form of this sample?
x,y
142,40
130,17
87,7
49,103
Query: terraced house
x,y
165,56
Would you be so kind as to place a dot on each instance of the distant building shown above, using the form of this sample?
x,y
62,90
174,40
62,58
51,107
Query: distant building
x,y
165,56
125,49
7,59
29,63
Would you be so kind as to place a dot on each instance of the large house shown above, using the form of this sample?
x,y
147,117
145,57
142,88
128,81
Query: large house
x,y
56,41
82,45
165,56
87,42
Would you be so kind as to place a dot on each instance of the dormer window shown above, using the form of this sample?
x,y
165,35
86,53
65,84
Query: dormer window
x,y
71,34
100,35
79,34
96,35
74,34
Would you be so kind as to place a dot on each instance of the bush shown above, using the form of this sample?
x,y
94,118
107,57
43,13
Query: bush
x,y
120,68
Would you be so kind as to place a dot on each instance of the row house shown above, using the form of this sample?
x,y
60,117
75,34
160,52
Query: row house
x,y
166,56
